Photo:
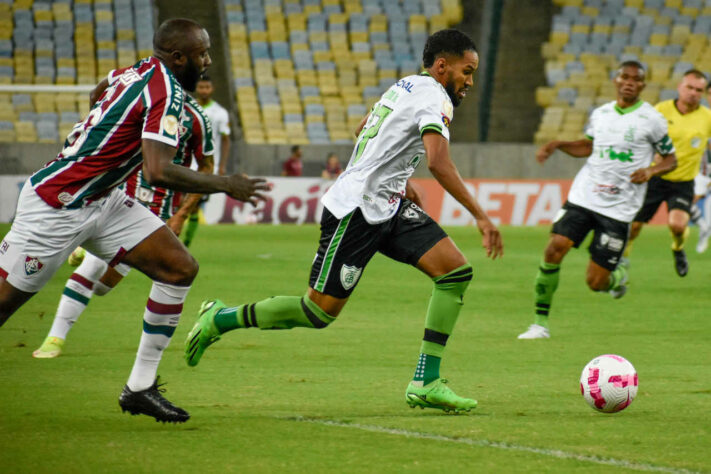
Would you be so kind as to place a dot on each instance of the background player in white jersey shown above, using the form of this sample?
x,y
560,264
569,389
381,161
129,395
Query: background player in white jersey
x,y
620,141
220,119
74,201
94,276
367,211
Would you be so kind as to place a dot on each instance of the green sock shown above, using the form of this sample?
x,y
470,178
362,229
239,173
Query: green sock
x,y
442,313
546,284
427,369
191,228
616,276
277,312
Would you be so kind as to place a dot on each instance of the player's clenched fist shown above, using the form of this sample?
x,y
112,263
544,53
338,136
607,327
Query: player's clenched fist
x,y
244,188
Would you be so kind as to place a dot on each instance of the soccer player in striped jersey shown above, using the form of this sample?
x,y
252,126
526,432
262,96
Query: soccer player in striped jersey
x,y
74,201
94,276
368,210
620,141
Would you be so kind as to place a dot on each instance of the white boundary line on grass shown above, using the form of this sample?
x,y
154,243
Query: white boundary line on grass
x,y
555,453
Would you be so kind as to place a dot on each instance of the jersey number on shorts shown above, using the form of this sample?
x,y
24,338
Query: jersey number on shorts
x,y
372,126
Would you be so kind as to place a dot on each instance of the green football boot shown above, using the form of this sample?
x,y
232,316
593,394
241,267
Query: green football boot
x,y
203,333
50,348
436,394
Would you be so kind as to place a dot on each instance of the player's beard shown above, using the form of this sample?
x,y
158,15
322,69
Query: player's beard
x,y
452,94
191,76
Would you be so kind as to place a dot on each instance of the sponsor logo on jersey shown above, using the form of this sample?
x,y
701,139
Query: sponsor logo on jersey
x,y
144,194
32,265
622,156
349,276
3,247
407,85
447,110
129,202
129,77
445,120
607,189
65,197
170,124
695,142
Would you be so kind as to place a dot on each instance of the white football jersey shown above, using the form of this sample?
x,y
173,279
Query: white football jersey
x,y
389,148
220,120
624,140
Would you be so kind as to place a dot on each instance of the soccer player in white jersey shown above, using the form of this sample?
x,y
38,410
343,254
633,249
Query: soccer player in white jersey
x,y
367,210
220,119
620,141
74,201
94,276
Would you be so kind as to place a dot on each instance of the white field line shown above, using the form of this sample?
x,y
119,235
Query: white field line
x,y
555,453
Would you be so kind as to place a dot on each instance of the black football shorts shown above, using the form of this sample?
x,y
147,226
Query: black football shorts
x,y
346,245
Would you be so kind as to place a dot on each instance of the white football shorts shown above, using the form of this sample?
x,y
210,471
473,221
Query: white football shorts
x,y
42,237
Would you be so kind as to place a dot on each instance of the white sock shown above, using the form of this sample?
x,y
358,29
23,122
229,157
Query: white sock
x,y
77,293
160,319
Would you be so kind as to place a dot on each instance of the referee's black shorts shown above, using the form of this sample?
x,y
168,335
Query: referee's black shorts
x,y
677,195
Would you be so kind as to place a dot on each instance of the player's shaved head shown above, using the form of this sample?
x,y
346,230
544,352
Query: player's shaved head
x,y
182,45
176,34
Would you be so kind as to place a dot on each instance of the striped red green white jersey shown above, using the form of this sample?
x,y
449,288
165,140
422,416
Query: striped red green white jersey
x,y
195,142
102,151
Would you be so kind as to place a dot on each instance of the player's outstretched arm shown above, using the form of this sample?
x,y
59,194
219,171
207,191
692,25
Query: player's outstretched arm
x,y
190,201
442,168
666,164
578,149
159,170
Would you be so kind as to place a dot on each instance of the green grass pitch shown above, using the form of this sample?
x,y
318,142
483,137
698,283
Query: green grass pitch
x,y
333,400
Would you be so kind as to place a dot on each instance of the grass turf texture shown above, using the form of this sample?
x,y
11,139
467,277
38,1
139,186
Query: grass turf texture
x,y
333,400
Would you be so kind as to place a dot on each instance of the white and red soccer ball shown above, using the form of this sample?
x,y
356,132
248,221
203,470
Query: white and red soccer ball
x,y
609,383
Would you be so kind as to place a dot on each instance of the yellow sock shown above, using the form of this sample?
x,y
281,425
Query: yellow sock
x,y
628,249
678,241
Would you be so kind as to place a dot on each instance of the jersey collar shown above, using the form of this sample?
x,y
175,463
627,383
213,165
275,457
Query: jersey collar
x,y
629,109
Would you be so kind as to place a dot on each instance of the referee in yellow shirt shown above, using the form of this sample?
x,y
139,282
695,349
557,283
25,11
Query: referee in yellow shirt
x,y
690,130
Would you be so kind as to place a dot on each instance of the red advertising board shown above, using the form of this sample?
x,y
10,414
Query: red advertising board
x,y
507,201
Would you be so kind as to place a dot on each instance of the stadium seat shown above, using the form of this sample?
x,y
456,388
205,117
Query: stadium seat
x,y
340,54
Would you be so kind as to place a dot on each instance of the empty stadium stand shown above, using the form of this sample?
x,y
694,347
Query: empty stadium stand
x,y
63,42
308,71
589,38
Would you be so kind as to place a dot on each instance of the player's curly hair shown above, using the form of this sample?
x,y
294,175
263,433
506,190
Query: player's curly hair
x,y
450,41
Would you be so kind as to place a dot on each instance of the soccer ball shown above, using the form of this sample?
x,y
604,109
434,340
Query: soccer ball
x,y
609,383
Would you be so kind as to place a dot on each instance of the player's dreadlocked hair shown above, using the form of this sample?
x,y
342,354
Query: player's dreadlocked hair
x,y
449,41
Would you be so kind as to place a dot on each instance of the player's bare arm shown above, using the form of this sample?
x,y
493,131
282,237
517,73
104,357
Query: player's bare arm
x,y
413,195
666,164
97,91
577,148
190,201
159,170
442,168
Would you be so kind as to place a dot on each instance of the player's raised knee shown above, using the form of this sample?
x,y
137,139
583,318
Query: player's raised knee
x,y
183,271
